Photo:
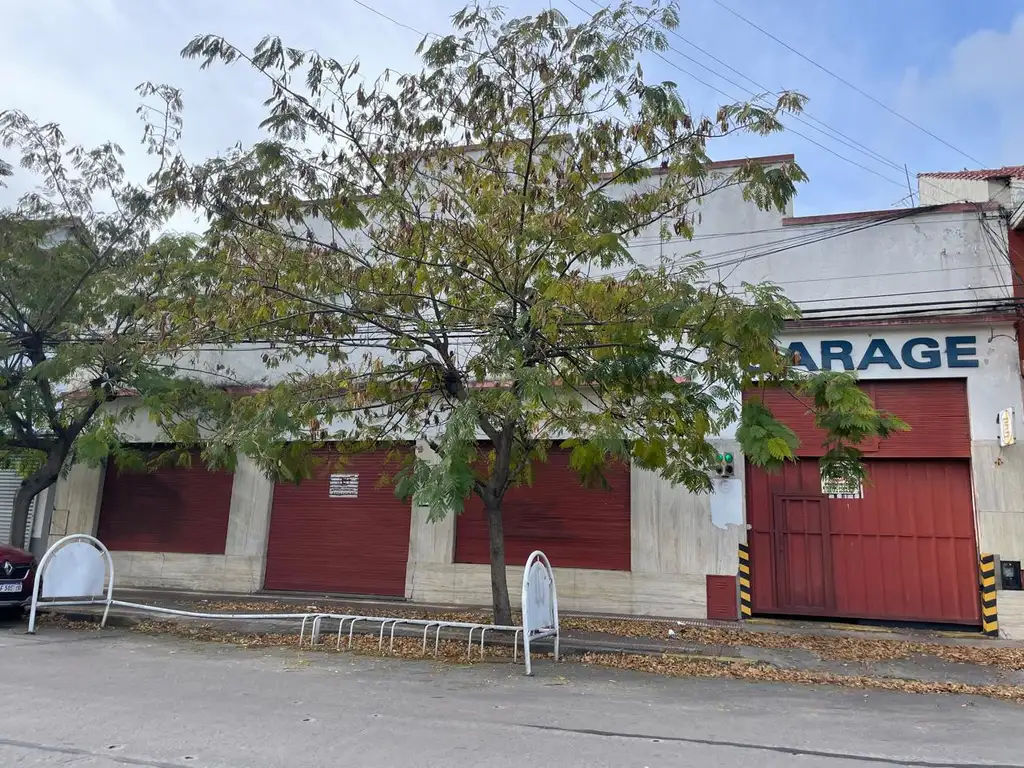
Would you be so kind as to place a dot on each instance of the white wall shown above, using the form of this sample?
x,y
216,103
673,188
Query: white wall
x,y
938,190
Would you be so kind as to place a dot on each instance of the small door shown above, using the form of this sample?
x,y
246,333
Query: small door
x,y
803,574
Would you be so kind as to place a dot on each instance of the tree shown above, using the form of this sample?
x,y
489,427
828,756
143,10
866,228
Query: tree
x,y
454,247
84,298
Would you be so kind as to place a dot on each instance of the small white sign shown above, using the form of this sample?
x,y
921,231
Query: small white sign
x,y
842,488
1007,432
344,487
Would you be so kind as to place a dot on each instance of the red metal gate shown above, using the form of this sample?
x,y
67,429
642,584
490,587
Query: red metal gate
x,y
905,551
356,545
171,509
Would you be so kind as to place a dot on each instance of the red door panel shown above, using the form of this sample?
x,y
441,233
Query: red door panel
x,y
172,509
575,527
801,535
907,549
357,546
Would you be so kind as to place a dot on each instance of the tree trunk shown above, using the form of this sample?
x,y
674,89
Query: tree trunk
x,y
499,582
31,487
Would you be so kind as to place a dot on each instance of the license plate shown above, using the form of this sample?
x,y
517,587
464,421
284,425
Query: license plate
x,y
10,586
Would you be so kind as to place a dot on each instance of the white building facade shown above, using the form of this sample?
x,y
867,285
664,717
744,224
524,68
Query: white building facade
x,y
920,303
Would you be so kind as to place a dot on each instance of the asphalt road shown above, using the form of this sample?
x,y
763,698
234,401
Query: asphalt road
x,y
116,698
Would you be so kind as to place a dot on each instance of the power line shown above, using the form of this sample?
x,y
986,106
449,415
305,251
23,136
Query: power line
x,y
656,239
826,129
776,247
847,83
851,143
833,133
915,293
732,98
392,19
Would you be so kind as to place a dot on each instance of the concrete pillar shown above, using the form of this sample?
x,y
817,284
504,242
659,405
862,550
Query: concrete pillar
x,y
77,500
431,547
252,495
40,538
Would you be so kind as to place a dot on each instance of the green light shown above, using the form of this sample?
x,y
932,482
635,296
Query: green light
x,y
728,458
720,457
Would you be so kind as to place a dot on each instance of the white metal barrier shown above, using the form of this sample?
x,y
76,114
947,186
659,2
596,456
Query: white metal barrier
x,y
78,570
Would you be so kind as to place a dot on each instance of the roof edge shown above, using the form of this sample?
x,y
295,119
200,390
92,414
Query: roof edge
x,y
717,165
796,221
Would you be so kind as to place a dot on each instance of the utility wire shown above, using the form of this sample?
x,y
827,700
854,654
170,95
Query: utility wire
x,y
804,117
853,144
732,98
847,83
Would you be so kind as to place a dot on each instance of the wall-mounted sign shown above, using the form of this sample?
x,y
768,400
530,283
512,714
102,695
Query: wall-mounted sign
x,y
344,487
919,353
841,488
1007,433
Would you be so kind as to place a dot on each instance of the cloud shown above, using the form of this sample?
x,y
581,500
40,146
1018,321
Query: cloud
x,y
976,95
77,62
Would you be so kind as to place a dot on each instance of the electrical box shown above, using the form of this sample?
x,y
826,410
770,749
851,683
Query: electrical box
x,y
1009,573
722,598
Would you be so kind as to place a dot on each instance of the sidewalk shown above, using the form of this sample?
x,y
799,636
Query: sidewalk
x,y
803,647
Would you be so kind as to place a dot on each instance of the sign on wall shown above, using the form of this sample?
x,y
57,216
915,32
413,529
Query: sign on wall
x,y
343,487
842,488
918,353
1007,434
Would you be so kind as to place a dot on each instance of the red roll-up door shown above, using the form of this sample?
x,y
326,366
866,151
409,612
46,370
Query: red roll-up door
x,y
935,409
906,551
575,527
172,509
355,545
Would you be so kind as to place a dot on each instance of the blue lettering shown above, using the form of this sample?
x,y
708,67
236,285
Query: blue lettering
x,y
878,352
799,349
930,357
960,350
837,350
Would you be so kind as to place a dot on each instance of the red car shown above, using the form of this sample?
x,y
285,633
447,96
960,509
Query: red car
x,y
17,576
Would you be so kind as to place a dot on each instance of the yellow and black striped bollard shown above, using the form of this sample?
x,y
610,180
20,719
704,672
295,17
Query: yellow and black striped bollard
x,y
746,603
989,615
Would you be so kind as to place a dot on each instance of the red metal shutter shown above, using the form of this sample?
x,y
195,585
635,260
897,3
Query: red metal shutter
x,y
357,546
575,527
935,409
172,509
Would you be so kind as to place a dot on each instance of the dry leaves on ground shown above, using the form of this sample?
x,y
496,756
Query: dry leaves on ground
x,y
833,647
405,647
396,612
674,666
836,647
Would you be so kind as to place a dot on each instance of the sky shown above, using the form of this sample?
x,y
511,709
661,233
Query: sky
x,y
955,69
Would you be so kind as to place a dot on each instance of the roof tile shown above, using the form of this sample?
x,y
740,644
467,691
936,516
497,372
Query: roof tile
x,y
981,174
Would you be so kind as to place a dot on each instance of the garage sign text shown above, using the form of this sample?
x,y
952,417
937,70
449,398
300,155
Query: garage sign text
x,y
918,353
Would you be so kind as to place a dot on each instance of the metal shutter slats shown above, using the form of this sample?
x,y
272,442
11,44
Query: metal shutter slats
x,y
172,509
9,483
575,527
357,546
